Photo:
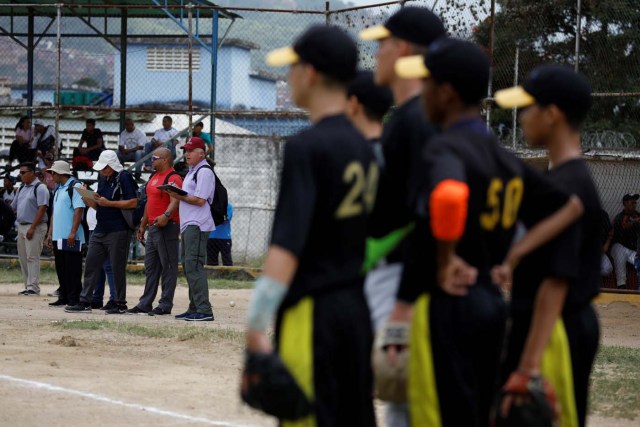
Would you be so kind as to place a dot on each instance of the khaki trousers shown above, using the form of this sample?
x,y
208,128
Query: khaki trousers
x,y
29,254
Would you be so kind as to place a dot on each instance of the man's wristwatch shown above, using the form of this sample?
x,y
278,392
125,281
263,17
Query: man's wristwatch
x,y
167,214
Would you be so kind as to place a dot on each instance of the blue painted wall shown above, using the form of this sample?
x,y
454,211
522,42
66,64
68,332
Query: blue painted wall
x,y
233,83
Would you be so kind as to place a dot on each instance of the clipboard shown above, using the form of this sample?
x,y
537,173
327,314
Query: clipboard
x,y
86,193
173,189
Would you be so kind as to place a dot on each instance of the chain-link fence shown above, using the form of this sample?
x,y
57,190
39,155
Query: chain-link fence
x,y
194,61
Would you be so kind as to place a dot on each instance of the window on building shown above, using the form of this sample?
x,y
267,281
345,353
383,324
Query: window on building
x,y
172,59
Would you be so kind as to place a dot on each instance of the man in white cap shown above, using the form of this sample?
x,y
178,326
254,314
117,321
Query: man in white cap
x,y
66,235
117,191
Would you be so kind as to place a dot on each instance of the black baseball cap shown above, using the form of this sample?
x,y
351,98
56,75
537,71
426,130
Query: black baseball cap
x,y
377,99
630,197
551,84
328,49
461,63
413,24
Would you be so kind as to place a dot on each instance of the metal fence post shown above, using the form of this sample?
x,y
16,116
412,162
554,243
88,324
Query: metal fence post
x,y
578,31
190,23
514,125
491,68
56,154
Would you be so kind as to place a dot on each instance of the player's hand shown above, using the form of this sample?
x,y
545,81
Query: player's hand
x,y
519,388
401,315
456,276
502,275
29,234
71,239
258,342
48,241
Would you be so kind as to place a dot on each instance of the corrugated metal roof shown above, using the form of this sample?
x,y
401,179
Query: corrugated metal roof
x,y
96,8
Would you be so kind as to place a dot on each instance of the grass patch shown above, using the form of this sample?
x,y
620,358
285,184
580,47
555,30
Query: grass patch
x,y
615,383
178,333
48,276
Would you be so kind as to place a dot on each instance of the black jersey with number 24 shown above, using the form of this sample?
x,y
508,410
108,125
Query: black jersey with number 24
x,y
327,190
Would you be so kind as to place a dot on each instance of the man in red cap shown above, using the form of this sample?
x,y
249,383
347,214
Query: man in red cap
x,y
196,223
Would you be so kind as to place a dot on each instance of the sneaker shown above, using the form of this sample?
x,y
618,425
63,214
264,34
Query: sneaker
x,y
159,311
96,305
199,317
78,308
118,309
136,310
109,305
57,303
183,315
23,292
31,293
55,293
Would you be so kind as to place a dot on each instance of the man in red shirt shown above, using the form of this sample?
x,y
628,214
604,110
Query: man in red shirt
x,y
161,249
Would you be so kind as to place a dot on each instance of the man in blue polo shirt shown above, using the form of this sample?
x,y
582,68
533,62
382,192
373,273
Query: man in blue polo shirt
x,y
117,191
66,235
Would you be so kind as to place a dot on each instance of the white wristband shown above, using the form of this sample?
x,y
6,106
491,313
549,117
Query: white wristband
x,y
267,296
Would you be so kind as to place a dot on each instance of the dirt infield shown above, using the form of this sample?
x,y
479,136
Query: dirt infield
x,y
145,370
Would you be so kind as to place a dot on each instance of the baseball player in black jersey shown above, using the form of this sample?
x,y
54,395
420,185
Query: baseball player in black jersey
x,y
407,32
367,105
329,177
554,330
468,201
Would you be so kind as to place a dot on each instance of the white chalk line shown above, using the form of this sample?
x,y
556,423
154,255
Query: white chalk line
x,y
150,409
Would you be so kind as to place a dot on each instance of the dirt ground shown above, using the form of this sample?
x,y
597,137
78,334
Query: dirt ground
x,y
54,376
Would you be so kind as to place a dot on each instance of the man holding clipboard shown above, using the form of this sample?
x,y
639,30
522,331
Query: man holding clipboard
x,y
65,235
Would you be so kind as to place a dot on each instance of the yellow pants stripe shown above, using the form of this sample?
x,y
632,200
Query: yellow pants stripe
x,y
296,351
424,406
557,369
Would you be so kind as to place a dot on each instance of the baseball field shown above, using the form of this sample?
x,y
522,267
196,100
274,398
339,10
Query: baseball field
x,y
60,369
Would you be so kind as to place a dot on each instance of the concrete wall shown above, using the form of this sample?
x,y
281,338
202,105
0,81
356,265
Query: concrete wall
x,y
263,93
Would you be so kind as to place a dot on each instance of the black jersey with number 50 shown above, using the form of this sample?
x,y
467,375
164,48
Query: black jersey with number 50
x,y
327,190
501,188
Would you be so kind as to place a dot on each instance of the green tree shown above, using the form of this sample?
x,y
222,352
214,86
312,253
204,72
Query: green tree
x,y
545,31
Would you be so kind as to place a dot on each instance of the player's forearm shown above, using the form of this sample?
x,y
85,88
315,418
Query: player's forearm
x,y
545,230
547,309
280,264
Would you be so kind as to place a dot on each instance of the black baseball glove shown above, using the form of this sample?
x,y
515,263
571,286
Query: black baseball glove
x,y
268,385
528,402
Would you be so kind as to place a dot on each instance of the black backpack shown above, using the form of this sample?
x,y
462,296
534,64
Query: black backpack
x,y
131,216
220,198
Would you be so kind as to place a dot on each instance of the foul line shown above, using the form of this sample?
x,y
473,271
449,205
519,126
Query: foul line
x,y
150,409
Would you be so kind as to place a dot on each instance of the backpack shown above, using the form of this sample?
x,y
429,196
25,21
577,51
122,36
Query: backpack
x,y
131,216
35,189
220,198
83,223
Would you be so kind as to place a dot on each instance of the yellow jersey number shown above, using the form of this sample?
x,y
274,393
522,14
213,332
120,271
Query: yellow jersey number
x,y
507,212
362,194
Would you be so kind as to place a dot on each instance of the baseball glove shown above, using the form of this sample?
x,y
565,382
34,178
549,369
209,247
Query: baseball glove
x,y
533,403
268,385
391,379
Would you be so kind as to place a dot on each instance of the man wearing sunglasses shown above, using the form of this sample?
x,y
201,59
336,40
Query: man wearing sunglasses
x,y
30,205
161,249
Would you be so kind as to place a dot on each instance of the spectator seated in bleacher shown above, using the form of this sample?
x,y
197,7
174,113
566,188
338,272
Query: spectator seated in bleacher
x,y
625,238
8,191
44,141
131,145
21,149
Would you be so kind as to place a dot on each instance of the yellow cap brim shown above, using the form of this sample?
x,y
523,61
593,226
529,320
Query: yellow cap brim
x,y
514,97
377,32
282,57
411,67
